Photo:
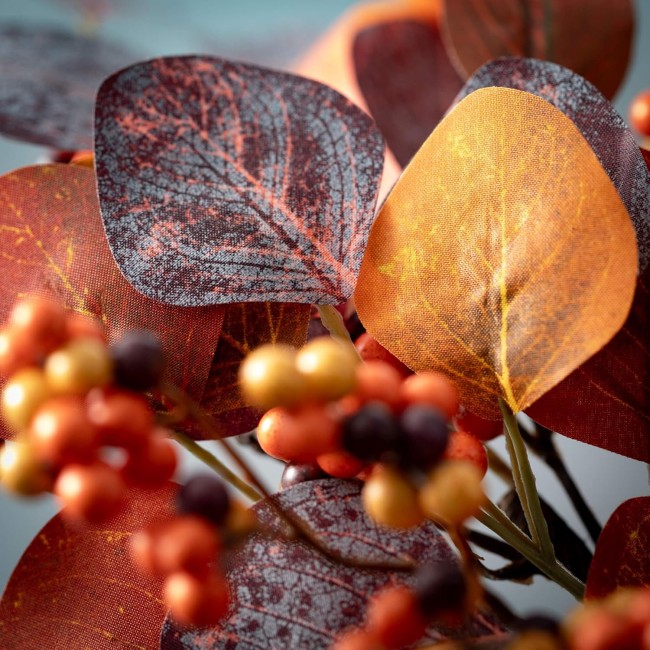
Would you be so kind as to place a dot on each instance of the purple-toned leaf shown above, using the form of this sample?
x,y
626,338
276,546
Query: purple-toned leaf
x,y
622,555
407,81
596,118
76,587
605,402
592,37
223,182
288,595
48,82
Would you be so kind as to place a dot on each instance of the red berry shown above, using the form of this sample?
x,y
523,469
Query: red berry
x,y
42,320
371,350
378,382
91,493
640,113
78,326
480,427
465,446
340,464
153,465
432,388
394,617
197,602
17,351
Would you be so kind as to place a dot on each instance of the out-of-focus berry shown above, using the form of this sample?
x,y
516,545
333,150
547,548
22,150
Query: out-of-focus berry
x,y
340,464
204,496
152,465
17,351
22,473
138,360
640,113
22,395
466,447
425,434
440,588
358,640
371,432
196,602
432,388
378,382
41,321
79,366
79,326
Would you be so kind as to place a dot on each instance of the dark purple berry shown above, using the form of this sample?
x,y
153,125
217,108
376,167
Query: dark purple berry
x,y
138,360
295,473
371,432
205,496
425,434
440,587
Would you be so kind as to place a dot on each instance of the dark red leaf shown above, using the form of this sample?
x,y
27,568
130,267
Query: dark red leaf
x,y
407,81
608,134
287,595
606,401
245,327
592,37
622,556
223,182
48,82
77,588
52,241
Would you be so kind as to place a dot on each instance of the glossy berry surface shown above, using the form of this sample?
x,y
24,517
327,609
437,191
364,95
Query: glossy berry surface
x,y
371,432
640,113
204,496
296,473
196,602
432,388
22,395
424,435
138,360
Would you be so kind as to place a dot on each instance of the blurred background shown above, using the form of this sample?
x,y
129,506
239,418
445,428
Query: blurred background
x,y
274,34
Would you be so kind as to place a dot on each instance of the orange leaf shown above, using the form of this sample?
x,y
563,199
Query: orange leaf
x,y
77,588
504,256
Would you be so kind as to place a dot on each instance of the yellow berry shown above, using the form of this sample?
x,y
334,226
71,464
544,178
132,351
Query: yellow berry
x,y
328,367
81,365
20,471
21,397
452,492
268,377
390,499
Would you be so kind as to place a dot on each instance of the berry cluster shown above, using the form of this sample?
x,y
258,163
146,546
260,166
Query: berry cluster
x,y
68,398
330,413
184,551
398,616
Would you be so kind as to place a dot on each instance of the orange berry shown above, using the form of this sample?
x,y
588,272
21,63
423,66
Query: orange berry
x,y
187,543
394,617
17,351
328,368
83,159
390,499
340,464
196,602
82,364
60,432
123,419
298,436
78,326
640,113
358,640
268,377
452,492
142,546
432,388
371,350
378,381
480,427
41,320
153,465
91,493
465,446
21,472
22,395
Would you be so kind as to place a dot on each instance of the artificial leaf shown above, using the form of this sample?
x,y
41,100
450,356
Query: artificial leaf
x,y
289,595
604,129
48,82
622,556
592,37
245,327
77,588
223,182
52,242
407,81
606,401
504,255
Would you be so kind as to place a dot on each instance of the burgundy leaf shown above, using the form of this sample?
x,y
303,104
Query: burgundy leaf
x,y
77,588
622,556
52,242
288,595
606,401
48,82
407,81
245,327
608,134
592,37
223,182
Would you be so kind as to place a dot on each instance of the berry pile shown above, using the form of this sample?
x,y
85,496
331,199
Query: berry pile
x,y
68,398
185,550
399,616
330,414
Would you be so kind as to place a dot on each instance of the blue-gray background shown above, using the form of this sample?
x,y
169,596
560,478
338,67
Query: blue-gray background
x,y
274,33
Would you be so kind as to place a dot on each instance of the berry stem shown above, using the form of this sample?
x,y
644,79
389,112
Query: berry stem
x,y
214,463
333,321
496,520
525,484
